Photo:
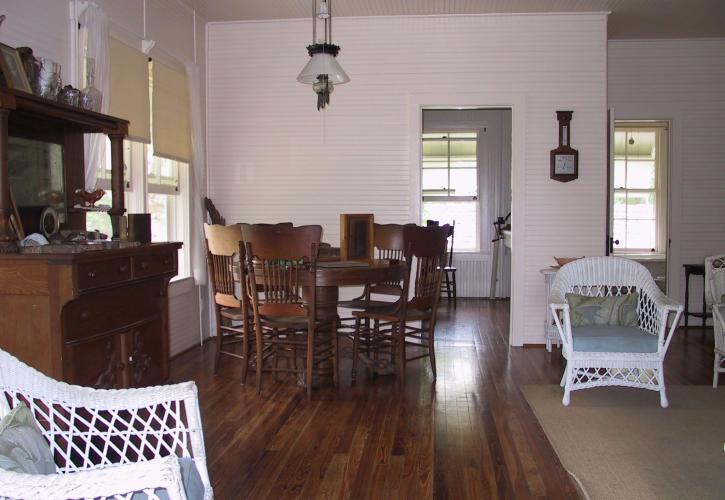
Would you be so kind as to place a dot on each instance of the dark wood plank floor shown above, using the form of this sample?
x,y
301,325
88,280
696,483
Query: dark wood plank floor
x,y
469,435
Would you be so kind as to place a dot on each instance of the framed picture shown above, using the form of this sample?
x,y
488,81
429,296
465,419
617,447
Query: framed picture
x,y
12,68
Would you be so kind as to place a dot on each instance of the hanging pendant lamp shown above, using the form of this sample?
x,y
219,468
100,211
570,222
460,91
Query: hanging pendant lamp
x,y
322,71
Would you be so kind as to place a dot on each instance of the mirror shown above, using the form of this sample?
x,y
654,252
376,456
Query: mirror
x,y
37,180
356,236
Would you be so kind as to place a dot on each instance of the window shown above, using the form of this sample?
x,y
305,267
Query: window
x,y
639,189
450,184
164,195
153,184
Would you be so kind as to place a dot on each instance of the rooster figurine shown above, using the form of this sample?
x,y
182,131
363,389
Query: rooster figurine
x,y
89,198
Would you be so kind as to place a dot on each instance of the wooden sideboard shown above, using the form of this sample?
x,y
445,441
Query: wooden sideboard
x,y
92,317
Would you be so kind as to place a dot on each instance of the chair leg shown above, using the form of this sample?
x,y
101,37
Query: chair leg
x,y
260,357
455,292
310,360
355,343
335,363
716,370
218,354
566,400
399,335
563,377
431,347
448,285
245,356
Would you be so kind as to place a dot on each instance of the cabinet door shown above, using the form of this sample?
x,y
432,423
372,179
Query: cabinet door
x,y
147,355
97,363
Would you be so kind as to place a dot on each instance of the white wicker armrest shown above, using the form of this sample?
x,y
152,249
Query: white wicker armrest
x,y
103,482
718,312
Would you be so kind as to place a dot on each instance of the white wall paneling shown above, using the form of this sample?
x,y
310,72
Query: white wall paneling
x,y
273,157
682,81
45,26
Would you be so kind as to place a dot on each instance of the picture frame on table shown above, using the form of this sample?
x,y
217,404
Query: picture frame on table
x,y
13,70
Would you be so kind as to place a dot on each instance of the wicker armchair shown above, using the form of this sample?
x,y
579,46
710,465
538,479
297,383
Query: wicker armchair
x,y
715,297
594,367
105,443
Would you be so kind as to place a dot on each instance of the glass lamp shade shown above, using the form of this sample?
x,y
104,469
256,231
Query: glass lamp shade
x,y
322,64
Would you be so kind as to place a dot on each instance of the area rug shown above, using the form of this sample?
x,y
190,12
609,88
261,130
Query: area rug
x,y
618,442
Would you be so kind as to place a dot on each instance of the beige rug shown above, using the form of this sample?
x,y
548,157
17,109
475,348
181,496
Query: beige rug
x,y
620,444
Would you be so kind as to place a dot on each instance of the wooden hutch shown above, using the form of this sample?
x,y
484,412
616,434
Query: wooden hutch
x,y
89,314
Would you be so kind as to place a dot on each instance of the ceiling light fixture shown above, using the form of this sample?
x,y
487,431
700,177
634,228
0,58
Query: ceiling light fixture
x,y
322,71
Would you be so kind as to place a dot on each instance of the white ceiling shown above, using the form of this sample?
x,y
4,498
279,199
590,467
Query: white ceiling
x,y
628,19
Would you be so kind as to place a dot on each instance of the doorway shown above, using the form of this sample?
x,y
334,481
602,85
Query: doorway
x,y
465,173
638,195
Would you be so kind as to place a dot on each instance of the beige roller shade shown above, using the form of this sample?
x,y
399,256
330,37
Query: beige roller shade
x,y
129,90
171,127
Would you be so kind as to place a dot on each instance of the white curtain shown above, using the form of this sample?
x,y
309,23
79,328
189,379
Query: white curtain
x,y
94,32
197,179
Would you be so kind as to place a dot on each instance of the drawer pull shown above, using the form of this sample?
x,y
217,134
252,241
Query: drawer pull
x,y
91,274
85,315
123,268
144,265
167,261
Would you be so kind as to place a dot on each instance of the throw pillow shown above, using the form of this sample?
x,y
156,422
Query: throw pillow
x,y
22,446
615,310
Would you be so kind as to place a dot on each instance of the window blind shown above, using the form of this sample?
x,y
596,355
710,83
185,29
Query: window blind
x,y
171,127
129,88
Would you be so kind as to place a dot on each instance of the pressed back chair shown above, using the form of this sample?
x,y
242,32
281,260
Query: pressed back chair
x,y
281,266
425,256
448,284
224,252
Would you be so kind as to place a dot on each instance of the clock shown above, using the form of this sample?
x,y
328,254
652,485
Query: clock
x,y
564,159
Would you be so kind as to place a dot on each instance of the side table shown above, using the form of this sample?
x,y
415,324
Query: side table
x,y
697,270
550,330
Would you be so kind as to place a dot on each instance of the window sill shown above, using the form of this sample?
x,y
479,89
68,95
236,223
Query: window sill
x,y
650,257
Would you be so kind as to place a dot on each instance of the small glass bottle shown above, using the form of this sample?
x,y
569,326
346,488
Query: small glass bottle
x,y
91,97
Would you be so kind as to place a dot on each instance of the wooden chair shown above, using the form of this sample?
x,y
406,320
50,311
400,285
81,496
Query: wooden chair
x,y
215,217
280,284
426,248
224,252
448,284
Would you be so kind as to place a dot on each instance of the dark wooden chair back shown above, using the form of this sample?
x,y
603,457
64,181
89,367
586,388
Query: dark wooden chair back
x,y
214,216
450,243
278,257
389,244
245,226
427,247
223,245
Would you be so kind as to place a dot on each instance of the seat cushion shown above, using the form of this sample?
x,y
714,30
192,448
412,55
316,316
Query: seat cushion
x,y
22,445
193,486
612,338
612,310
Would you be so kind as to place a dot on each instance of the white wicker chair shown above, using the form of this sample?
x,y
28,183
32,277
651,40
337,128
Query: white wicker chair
x,y
714,291
606,276
105,443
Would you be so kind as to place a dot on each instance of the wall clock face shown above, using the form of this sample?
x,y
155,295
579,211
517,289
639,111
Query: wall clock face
x,y
564,164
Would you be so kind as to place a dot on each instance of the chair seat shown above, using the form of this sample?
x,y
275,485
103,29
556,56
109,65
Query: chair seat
x,y
449,269
233,313
610,338
363,304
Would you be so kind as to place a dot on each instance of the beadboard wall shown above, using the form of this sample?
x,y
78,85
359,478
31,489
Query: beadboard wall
x,y
45,25
273,157
682,81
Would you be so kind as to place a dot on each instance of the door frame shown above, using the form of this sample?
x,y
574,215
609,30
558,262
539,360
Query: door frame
x,y
517,103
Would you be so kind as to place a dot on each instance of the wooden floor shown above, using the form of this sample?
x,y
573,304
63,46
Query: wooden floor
x,y
470,434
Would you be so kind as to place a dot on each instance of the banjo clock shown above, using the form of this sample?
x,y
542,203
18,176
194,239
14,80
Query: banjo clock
x,y
564,159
